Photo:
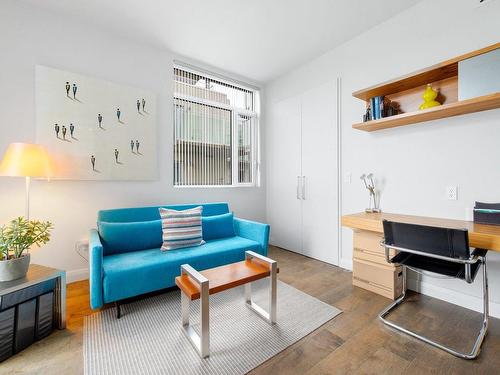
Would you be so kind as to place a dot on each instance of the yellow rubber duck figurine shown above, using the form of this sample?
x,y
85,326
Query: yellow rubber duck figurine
x,y
429,97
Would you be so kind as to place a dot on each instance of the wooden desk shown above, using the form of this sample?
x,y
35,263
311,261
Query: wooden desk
x,y
370,269
480,235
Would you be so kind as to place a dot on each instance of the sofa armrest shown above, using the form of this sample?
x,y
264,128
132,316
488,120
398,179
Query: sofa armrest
x,y
252,230
95,269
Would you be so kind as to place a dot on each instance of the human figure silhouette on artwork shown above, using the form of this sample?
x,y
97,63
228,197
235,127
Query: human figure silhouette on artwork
x,y
118,113
116,154
132,145
75,88
64,130
137,144
71,129
138,106
143,104
92,160
99,119
68,87
56,128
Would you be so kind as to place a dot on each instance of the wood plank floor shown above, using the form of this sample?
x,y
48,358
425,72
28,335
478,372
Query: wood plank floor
x,y
355,342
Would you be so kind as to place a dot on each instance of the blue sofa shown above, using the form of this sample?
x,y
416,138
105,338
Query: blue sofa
x,y
125,258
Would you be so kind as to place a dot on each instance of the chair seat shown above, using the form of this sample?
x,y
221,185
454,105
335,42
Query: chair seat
x,y
434,265
138,272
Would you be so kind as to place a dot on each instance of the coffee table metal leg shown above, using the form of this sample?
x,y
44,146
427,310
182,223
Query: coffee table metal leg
x,y
185,302
205,321
273,293
248,293
269,316
200,342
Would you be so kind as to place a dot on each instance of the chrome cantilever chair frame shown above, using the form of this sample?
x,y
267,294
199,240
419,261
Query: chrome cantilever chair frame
x,y
468,278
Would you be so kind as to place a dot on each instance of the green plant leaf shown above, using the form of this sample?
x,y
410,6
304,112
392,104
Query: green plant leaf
x,y
20,234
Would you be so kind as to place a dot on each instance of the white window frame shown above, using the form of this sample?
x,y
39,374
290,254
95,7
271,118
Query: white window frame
x,y
255,138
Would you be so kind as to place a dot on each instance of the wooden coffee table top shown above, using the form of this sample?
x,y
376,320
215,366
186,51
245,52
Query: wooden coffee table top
x,y
225,277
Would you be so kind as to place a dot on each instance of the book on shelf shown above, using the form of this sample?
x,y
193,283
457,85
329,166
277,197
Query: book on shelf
x,y
376,107
373,107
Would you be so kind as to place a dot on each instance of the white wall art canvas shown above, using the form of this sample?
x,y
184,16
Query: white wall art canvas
x,y
95,129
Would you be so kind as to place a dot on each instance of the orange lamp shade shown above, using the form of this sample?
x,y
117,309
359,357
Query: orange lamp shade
x,y
26,160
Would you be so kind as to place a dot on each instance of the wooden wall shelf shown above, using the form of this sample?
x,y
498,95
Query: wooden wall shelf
x,y
481,103
407,91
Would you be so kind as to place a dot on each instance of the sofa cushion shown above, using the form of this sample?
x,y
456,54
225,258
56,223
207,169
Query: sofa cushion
x,y
125,237
181,228
134,273
218,226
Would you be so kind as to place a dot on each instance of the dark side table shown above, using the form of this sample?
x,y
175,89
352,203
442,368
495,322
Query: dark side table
x,y
30,308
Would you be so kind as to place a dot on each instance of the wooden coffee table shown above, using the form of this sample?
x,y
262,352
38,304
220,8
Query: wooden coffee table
x,y
199,285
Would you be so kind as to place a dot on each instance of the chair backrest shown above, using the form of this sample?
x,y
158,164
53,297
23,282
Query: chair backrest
x,y
127,215
447,242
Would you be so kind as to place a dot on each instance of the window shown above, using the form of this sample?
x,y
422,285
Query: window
x,y
215,131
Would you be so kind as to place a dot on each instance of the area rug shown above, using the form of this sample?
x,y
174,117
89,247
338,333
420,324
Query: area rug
x,y
148,339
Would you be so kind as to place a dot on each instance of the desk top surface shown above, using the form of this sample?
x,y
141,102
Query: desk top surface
x,y
480,235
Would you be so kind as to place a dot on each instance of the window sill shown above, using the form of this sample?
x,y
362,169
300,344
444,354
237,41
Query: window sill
x,y
214,186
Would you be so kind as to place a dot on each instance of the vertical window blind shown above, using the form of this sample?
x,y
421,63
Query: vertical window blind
x,y
215,132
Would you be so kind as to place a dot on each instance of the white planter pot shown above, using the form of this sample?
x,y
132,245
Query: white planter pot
x,y
13,269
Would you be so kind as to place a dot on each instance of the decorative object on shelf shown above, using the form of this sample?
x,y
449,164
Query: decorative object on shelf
x,y
370,185
391,109
16,238
379,107
368,114
429,97
26,160
106,116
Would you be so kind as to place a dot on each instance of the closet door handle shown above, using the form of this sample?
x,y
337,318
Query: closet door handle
x,y
304,187
298,187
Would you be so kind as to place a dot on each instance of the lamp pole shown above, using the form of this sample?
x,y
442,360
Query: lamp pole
x,y
27,203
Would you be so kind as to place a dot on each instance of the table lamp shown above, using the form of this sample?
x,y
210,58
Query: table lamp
x,y
26,160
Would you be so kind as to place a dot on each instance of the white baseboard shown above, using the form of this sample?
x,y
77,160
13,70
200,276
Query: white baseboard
x,y
452,296
77,275
346,264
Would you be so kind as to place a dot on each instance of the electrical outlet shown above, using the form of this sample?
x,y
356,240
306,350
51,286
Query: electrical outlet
x,y
348,178
82,249
452,193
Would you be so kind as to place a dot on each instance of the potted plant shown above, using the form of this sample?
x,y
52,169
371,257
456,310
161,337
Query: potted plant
x,y
16,238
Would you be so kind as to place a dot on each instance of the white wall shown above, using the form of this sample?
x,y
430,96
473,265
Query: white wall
x,y
28,37
414,164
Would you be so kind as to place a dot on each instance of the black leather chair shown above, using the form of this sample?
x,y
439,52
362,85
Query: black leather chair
x,y
442,251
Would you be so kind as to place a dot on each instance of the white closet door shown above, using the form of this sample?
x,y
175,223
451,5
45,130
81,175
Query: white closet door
x,y
319,167
283,168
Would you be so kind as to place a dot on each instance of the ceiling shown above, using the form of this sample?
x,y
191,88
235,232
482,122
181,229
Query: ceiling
x,y
257,39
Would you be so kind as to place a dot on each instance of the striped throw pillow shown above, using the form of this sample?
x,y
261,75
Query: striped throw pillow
x,y
181,228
